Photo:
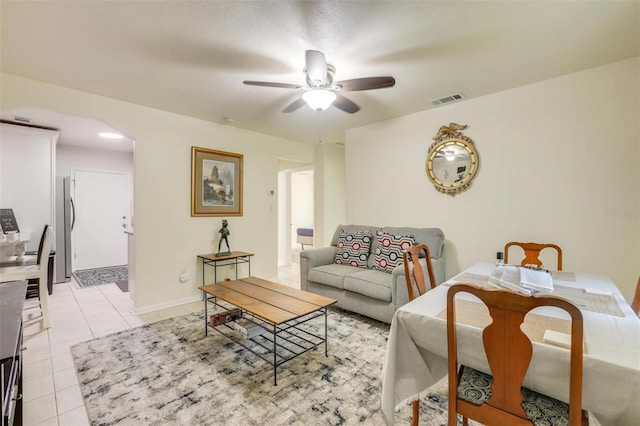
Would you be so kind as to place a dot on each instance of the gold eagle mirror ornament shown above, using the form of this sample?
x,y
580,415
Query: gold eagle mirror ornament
x,y
453,160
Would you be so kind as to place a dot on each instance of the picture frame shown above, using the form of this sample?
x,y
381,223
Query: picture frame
x,y
8,223
216,182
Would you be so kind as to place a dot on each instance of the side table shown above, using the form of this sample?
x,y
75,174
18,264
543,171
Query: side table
x,y
234,258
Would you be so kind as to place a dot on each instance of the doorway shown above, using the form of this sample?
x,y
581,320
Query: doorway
x,y
295,210
102,209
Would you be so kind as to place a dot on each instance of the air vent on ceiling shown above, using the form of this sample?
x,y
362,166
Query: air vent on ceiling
x,y
446,99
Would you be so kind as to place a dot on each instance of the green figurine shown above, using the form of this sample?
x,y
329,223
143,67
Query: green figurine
x,y
224,233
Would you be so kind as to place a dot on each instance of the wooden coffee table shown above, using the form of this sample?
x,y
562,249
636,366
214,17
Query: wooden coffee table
x,y
283,312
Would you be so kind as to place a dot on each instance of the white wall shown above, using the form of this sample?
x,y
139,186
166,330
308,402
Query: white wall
x,y
75,157
558,163
284,209
330,184
26,178
167,238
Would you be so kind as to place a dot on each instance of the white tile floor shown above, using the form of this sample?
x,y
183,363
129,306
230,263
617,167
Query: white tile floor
x,y
50,386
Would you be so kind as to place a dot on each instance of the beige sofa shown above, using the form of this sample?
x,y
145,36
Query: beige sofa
x,y
365,290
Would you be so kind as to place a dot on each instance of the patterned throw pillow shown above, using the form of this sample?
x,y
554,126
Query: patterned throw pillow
x,y
389,250
353,248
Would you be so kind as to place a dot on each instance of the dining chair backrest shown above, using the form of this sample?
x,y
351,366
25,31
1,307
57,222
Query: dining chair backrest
x,y
509,352
43,252
412,254
41,245
532,253
635,304
43,290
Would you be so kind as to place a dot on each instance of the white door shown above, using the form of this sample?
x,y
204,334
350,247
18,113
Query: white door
x,y
101,206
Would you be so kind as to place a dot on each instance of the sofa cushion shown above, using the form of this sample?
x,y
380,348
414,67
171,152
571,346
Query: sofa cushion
x,y
353,248
331,274
433,237
352,228
388,251
374,284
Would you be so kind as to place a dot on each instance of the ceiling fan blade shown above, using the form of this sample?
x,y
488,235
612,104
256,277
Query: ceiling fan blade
x,y
294,105
316,67
270,84
367,83
345,104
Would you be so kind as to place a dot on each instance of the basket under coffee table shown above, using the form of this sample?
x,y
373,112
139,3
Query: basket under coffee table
x,y
283,312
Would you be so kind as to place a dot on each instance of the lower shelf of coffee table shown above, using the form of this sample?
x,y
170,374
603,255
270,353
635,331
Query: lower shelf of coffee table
x,y
279,343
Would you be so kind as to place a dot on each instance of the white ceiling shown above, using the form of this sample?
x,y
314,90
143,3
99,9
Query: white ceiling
x,y
190,57
74,130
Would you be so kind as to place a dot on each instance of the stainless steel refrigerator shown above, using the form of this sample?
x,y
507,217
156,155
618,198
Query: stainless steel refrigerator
x,y
65,219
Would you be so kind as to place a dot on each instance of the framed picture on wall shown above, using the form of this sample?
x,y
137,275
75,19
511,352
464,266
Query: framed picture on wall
x,y
216,183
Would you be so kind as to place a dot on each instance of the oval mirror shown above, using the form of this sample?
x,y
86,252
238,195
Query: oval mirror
x,y
453,161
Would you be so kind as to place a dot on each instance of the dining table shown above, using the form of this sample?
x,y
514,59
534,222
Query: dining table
x,y
416,353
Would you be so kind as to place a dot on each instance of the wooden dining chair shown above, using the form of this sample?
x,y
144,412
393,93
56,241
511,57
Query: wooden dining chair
x,y
38,273
532,253
499,398
412,254
635,304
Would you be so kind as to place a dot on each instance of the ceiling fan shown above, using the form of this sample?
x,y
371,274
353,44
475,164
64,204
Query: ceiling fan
x,y
321,91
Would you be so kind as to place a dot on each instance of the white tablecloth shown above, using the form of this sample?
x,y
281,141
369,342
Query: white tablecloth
x,y
416,355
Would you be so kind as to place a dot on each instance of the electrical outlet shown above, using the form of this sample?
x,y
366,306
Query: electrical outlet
x,y
184,277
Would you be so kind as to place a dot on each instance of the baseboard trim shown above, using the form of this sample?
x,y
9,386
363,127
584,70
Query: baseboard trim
x,y
166,305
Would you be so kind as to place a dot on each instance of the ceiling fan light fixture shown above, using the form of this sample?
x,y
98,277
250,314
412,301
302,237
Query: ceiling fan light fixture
x,y
319,99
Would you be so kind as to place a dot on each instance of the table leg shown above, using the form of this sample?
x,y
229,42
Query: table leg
x,y
326,344
275,379
203,296
236,268
206,329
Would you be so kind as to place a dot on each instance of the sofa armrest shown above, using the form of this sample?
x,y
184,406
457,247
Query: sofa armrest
x,y
312,258
399,293
319,256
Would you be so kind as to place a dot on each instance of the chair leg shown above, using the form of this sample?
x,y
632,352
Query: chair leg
x,y
44,302
44,305
415,406
465,421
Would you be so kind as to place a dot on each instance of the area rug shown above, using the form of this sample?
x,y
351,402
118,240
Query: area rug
x,y
98,276
169,373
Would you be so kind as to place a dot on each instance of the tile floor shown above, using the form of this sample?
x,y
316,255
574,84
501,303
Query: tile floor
x,y
50,386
